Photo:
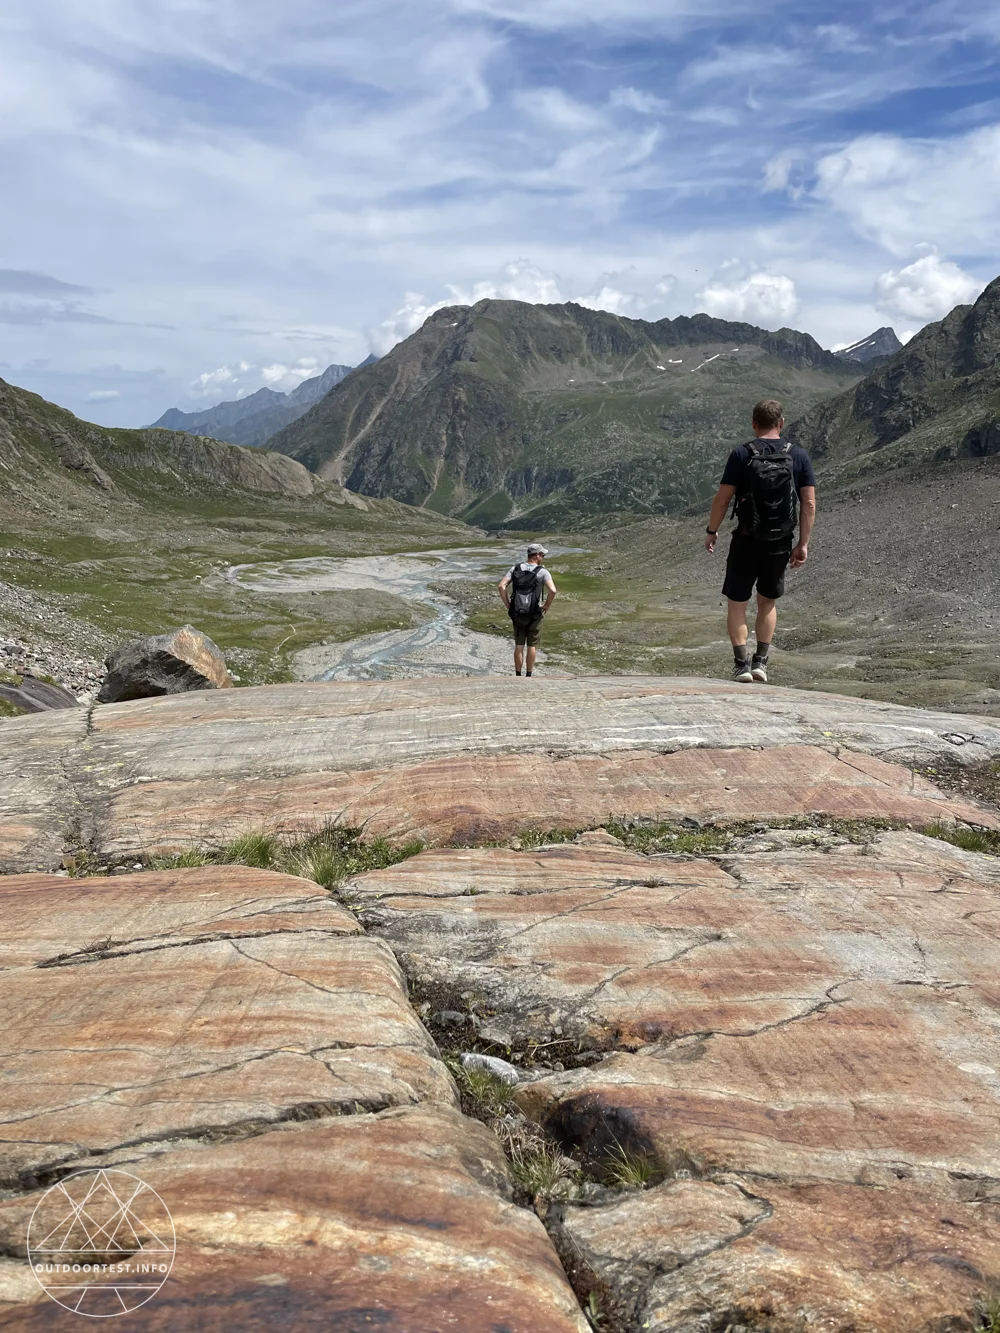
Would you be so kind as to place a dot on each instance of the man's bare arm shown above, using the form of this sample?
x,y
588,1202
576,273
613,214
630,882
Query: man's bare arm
x,y
717,515
504,594
807,517
551,590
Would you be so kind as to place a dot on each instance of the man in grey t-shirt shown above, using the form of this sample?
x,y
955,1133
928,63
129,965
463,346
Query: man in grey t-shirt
x,y
521,590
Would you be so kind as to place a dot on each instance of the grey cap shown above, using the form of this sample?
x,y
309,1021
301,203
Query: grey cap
x,y
537,549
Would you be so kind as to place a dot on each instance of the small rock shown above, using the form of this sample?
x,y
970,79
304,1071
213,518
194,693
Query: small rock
x,y
451,1018
503,1070
598,837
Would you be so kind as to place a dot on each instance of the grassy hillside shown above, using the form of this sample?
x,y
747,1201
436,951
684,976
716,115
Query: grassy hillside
x,y
511,414
105,533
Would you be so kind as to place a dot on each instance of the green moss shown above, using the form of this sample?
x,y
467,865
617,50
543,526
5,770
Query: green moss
x,y
11,710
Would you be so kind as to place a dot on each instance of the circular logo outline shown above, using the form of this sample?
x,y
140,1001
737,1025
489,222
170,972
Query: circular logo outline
x,y
102,1221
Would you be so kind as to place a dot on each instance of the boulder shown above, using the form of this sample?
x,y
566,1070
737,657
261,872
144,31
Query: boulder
x,y
173,663
37,696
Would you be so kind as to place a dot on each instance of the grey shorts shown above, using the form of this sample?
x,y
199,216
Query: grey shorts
x,y
527,631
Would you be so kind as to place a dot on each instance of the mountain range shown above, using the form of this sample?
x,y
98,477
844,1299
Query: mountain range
x,y
935,401
254,419
510,414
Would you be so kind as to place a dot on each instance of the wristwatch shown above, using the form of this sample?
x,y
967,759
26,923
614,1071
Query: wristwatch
x,y
712,532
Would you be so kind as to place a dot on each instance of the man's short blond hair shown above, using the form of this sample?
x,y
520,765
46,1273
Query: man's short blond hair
x,y
768,413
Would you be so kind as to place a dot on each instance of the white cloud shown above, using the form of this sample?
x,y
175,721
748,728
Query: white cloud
x,y
406,320
103,395
557,110
283,378
634,99
236,381
767,299
924,290
521,281
665,287
904,191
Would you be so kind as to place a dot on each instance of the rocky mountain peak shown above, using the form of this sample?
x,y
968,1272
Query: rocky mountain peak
x,y
882,343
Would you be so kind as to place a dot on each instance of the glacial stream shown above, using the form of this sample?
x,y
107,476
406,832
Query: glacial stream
x,y
440,646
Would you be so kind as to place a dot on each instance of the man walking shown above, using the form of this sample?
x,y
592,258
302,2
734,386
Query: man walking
x,y
526,583
773,482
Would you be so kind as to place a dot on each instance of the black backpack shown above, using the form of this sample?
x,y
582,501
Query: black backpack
x,y
768,509
526,595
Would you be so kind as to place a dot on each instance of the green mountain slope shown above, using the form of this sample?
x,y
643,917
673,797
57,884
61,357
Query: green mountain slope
x,y
936,400
513,414
109,533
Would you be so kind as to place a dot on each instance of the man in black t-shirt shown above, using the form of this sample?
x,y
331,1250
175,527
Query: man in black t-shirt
x,y
767,474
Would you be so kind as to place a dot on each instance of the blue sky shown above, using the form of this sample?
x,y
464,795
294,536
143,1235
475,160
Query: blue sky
x,y
206,196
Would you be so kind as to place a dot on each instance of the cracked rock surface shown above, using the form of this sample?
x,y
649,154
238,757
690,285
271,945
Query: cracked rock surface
x,y
803,1041
230,1035
438,759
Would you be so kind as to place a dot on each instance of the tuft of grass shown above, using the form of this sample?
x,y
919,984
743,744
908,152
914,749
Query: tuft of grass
x,y
969,839
629,1170
541,1170
484,1094
83,865
648,838
328,856
989,1316
259,850
8,709
532,838
181,860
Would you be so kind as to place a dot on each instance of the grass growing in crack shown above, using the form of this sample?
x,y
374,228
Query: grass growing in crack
x,y
647,838
629,1170
188,860
485,1096
969,839
541,1170
329,856
592,1309
989,1316
532,838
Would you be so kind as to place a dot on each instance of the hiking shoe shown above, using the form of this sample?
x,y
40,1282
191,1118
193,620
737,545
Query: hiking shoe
x,y
758,670
742,673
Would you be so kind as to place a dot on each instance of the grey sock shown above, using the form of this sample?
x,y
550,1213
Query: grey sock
x,y
762,651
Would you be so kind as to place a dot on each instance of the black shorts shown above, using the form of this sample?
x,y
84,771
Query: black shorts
x,y
750,562
527,631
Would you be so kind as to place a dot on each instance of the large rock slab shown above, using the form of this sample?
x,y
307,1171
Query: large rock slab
x,y
815,1027
399,1221
441,759
40,811
765,1254
468,798
158,1008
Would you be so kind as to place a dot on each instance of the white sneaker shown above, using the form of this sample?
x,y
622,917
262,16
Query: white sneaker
x,y
742,673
